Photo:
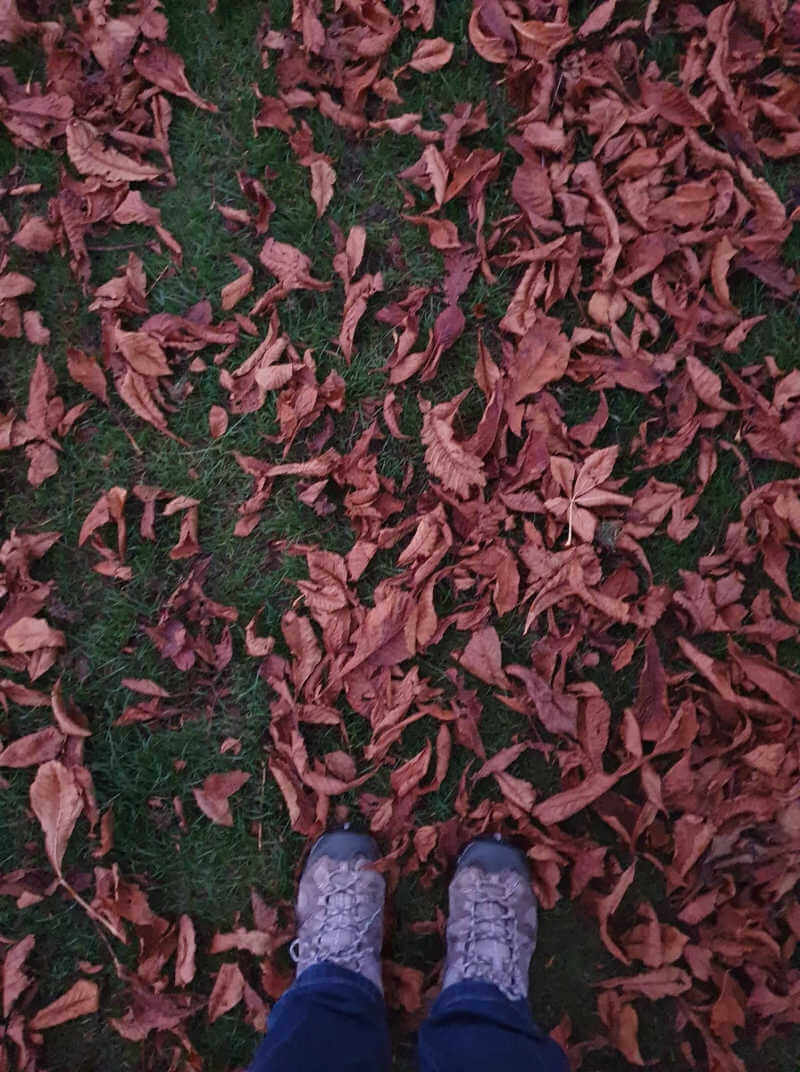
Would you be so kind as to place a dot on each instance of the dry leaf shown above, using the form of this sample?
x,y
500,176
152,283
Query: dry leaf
x,y
212,796
86,371
90,157
431,54
81,999
217,421
184,958
56,802
227,993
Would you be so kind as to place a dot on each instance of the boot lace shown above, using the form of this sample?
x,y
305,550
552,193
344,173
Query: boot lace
x,y
501,928
343,907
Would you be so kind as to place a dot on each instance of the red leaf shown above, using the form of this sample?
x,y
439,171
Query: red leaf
x,y
33,749
81,999
212,796
483,657
15,981
227,993
431,54
56,802
184,959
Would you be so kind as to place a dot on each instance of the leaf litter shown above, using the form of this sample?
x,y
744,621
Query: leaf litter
x,y
638,196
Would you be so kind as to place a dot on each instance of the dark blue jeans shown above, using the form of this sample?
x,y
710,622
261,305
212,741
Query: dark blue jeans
x,y
333,1020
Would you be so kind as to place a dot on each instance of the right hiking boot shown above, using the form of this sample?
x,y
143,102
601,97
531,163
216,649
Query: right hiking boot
x,y
340,906
491,931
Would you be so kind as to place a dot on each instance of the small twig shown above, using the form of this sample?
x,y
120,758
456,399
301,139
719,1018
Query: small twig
x,y
158,278
91,912
115,417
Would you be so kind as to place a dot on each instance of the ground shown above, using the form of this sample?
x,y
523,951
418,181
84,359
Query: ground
x,y
207,871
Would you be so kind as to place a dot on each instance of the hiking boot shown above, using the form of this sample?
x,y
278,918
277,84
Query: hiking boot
x,y
491,932
340,906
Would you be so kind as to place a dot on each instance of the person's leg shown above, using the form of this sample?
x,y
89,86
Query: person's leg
x,y
482,1018
473,1027
333,1015
330,1019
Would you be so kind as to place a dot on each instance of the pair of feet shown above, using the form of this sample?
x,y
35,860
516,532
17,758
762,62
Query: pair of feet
x,y
491,930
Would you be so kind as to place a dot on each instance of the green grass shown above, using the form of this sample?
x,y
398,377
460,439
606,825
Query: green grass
x,y
208,871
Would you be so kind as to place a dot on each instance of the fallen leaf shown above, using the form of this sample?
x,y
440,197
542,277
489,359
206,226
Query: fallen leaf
x,y
33,749
30,634
15,981
217,421
212,796
87,372
81,999
165,69
56,802
446,458
227,993
184,958
90,157
431,54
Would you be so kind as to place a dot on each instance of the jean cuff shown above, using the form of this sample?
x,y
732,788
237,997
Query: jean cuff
x,y
470,992
326,975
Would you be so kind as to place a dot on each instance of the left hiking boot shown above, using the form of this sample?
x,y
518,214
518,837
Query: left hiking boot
x,y
491,931
340,906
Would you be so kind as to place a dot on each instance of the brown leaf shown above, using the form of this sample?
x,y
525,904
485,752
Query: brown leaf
x,y
43,463
144,686
142,352
35,234
81,999
562,805
86,371
12,25
672,103
30,634
542,357
56,802
598,19
259,943
707,384
33,749
184,958
662,983
165,69
483,657
516,791
431,54
233,292
323,178
227,992
447,459
68,718
14,285
623,1026
86,151
15,981
291,268
723,254
35,331
217,421
212,796
403,986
